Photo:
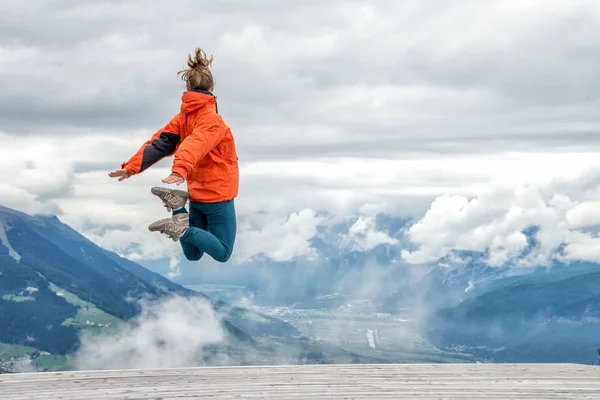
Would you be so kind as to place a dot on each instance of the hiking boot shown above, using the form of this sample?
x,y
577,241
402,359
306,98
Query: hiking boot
x,y
173,227
172,198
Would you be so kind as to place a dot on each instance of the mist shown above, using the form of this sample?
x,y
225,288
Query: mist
x,y
171,332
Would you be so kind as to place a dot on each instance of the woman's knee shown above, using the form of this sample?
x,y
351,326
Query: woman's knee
x,y
223,258
193,257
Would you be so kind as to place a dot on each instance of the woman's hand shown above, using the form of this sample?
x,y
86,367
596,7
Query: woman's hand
x,y
174,178
122,174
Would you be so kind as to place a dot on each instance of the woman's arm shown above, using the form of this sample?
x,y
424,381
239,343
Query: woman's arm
x,y
162,144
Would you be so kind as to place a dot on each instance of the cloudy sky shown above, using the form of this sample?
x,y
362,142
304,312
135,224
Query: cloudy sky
x,y
476,118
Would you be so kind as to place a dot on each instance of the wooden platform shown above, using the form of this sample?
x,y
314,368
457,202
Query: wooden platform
x,y
405,381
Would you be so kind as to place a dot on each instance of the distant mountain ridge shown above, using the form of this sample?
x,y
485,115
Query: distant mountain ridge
x,y
494,313
461,301
536,318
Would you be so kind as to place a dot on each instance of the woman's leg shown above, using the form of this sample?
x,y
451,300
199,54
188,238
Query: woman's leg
x,y
197,221
218,238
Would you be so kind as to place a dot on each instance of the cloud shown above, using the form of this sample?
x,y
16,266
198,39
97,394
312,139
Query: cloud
x,y
20,199
448,81
279,239
168,333
496,220
364,236
333,105
115,215
175,270
584,215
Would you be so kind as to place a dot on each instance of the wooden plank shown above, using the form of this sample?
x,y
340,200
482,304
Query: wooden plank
x,y
355,381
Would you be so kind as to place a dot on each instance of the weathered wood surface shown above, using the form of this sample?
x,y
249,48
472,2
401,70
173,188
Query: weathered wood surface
x,y
396,381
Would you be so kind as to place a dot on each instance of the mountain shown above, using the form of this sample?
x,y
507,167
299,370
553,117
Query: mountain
x,y
55,284
539,317
50,274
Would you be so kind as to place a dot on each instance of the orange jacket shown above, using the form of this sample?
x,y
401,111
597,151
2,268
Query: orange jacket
x,y
204,149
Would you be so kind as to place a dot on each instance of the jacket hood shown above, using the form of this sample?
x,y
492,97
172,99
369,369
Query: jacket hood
x,y
194,100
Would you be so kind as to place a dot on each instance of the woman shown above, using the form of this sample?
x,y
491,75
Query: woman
x,y
205,156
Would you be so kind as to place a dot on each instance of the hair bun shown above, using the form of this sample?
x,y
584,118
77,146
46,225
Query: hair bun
x,y
200,61
198,75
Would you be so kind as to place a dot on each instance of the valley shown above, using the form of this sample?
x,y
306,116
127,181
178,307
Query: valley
x,y
354,326
384,336
347,334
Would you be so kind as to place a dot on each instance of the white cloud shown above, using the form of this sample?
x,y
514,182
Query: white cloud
x,y
167,334
581,246
584,214
174,267
494,220
20,199
281,239
35,171
115,215
364,236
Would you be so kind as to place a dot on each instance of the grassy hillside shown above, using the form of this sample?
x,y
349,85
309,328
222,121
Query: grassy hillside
x,y
87,318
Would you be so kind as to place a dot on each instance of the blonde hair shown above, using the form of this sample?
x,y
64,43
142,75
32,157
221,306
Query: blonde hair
x,y
198,76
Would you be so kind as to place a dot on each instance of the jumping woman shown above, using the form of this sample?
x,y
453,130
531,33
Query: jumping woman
x,y
205,157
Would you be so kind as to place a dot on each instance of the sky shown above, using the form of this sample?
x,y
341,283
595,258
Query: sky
x,y
476,119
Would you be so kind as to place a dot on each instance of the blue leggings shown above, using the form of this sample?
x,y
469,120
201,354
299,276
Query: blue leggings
x,y
212,230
